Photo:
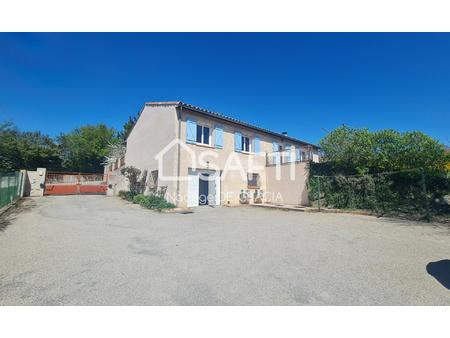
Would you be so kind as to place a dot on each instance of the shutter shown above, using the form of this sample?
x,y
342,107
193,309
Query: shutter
x,y
276,154
288,152
191,130
218,134
256,145
298,154
237,141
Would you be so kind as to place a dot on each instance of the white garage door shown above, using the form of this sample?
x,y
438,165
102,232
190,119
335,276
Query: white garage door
x,y
193,183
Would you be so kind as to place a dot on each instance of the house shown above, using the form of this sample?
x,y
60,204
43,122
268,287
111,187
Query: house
x,y
206,158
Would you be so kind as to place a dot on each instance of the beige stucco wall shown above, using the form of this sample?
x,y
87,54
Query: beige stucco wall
x,y
155,129
232,181
291,187
116,183
159,132
34,186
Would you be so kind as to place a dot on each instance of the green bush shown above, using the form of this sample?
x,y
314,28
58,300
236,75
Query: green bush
x,y
409,192
150,202
156,203
139,199
386,171
126,195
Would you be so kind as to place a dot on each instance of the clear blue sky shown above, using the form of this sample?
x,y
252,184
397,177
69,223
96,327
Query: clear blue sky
x,y
300,83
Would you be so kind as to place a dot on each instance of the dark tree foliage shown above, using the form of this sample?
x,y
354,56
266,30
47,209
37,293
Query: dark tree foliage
x,y
127,127
357,151
27,150
85,148
82,150
385,171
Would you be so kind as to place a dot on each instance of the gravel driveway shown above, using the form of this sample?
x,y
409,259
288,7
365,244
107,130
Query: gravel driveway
x,y
97,250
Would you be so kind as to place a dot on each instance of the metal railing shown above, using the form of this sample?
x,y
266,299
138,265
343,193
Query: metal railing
x,y
74,178
10,187
286,157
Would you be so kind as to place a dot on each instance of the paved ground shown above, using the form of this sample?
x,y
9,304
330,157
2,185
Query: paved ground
x,y
95,250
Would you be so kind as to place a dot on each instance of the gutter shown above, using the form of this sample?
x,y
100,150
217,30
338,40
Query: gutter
x,y
179,110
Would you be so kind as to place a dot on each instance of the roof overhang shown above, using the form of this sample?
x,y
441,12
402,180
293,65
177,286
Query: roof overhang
x,y
225,118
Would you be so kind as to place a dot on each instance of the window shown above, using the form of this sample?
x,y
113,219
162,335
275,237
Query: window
x,y
203,135
245,144
253,180
304,156
153,179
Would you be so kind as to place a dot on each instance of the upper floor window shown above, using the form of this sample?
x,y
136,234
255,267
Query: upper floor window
x,y
203,135
245,146
241,142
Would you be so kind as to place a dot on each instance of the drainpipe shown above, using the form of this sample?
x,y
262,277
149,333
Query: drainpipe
x,y
178,154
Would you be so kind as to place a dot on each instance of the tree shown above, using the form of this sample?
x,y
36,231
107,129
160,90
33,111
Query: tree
x,y
26,150
127,128
85,148
385,171
353,150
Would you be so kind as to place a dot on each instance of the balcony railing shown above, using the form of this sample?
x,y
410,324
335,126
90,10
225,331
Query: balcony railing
x,y
287,157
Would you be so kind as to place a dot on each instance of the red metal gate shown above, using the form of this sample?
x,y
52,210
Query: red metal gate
x,y
75,184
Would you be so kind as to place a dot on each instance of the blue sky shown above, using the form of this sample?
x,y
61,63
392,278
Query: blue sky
x,y
300,83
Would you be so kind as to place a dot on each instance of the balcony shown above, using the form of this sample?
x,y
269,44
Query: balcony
x,y
288,157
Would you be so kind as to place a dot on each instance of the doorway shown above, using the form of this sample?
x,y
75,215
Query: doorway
x,y
203,189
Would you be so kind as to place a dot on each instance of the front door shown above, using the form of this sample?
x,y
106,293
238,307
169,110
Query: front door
x,y
203,190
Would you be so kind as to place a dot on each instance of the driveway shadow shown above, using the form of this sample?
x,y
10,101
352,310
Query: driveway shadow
x,y
10,215
441,271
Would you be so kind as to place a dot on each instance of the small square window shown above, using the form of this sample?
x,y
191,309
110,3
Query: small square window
x,y
253,180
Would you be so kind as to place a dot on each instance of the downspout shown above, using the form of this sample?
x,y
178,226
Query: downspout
x,y
178,154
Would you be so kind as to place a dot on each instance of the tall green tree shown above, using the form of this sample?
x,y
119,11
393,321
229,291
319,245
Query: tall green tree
x,y
27,150
85,148
127,128
354,150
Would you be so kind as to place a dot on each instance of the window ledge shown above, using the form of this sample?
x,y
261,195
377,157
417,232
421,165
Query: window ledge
x,y
203,145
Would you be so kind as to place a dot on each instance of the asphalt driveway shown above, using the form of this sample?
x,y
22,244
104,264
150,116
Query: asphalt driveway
x,y
96,250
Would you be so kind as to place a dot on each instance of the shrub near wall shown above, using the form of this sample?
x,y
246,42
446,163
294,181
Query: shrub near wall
x,y
386,172
138,182
153,202
413,192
